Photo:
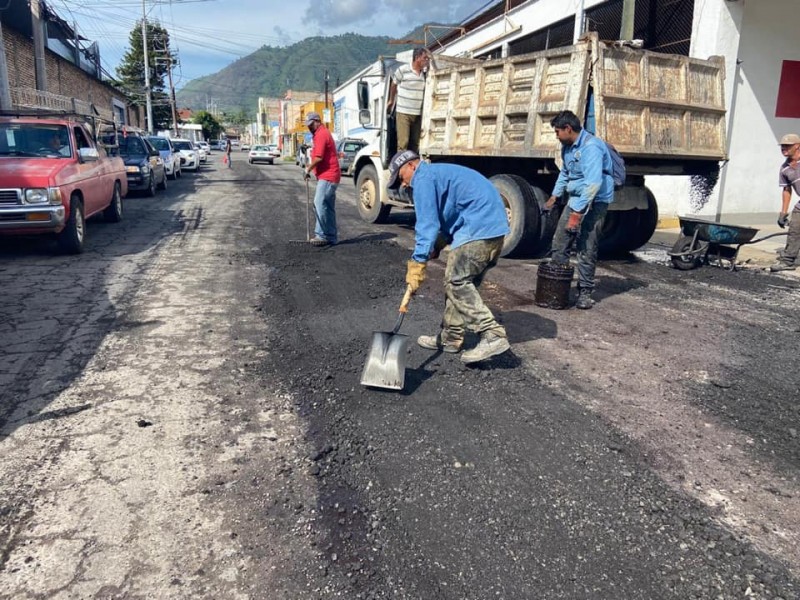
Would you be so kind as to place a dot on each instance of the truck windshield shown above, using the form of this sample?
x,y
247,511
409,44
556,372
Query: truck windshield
x,y
34,139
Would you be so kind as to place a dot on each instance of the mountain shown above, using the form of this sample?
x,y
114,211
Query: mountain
x,y
270,71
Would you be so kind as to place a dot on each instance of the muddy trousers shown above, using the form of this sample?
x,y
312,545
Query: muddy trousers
x,y
409,128
325,208
586,243
464,309
792,249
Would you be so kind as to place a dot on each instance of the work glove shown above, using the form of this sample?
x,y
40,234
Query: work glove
x,y
783,220
415,274
441,244
574,222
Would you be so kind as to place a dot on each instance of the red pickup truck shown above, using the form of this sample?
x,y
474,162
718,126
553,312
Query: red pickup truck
x,y
53,176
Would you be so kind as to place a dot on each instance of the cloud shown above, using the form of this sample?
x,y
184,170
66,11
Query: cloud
x,y
339,13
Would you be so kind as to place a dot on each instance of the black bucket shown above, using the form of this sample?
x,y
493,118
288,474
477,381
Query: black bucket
x,y
552,285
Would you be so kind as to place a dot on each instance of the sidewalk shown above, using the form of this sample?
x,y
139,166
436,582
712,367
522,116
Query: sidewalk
x,y
757,255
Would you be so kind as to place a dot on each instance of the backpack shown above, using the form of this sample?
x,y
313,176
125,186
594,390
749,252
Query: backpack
x,y
617,167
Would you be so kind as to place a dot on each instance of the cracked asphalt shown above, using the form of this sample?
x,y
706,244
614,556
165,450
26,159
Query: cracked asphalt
x,y
181,417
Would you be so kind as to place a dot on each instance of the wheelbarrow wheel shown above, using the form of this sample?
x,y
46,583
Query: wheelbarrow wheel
x,y
687,262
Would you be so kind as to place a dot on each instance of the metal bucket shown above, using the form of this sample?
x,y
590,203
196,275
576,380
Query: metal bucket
x,y
552,285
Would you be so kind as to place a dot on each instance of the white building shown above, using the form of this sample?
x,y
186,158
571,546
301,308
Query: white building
x,y
758,39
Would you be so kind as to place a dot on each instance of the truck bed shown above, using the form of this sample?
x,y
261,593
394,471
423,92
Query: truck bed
x,y
656,109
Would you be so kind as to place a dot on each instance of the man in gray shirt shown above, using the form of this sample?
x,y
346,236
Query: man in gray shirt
x,y
406,92
789,179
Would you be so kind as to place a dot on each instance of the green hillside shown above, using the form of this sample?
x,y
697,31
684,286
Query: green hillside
x,y
269,71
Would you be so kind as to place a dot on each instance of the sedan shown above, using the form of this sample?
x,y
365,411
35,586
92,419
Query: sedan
x,y
170,156
190,159
201,152
260,153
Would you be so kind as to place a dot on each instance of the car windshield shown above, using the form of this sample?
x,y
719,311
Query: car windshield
x,y
131,146
182,145
34,139
260,148
160,143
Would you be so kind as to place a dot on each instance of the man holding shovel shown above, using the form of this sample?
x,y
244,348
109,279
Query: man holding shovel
x,y
460,207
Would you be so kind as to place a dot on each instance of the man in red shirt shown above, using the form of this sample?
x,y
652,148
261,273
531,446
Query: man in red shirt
x,y
325,164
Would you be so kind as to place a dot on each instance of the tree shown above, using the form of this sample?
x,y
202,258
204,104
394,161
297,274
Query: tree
x,y
160,59
211,127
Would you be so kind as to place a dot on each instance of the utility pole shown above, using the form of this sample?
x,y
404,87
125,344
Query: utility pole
x,y
172,93
146,71
628,13
38,45
5,90
326,96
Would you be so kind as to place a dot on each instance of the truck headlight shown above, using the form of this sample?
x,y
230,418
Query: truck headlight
x,y
36,196
55,195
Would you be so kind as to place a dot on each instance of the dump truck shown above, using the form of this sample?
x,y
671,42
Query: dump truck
x,y
664,113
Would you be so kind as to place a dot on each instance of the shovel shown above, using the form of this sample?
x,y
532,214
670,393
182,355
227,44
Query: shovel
x,y
386,361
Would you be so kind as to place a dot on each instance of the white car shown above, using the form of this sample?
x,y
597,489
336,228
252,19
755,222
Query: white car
x,y
260,153
206,146
201,152
274,150
190,158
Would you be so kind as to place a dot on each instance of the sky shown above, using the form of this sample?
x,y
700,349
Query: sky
x,y
211,34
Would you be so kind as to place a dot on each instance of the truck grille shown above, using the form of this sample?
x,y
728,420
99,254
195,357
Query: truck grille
x,y
10,197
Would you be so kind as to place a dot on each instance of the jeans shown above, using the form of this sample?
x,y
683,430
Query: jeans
x,y
325,208
464,309
586,243
792,248
228,154
409,128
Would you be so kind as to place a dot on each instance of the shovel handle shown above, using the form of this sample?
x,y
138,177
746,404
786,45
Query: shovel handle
x,y
406,300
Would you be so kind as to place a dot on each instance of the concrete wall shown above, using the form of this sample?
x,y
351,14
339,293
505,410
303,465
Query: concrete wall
x,y
63,78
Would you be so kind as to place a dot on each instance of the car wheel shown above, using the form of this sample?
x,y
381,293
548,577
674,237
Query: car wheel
x,y
250,162
163,184
113,212
178,173
151,186
72,237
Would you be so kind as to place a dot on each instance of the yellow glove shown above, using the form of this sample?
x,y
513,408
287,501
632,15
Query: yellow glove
x,y
415,274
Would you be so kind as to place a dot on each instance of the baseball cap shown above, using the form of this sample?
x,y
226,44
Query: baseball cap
x,y
312,116
790,139
398,160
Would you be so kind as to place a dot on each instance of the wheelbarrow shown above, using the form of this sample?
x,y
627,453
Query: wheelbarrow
x,y
706,242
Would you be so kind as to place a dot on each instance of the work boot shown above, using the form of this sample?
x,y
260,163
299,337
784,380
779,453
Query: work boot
x,y
781,266
585,301
434,342
489,346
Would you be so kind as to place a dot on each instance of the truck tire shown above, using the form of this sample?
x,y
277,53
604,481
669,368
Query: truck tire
x,y
522,209
627,230
113,212
647,222
548,221
72,237
368,197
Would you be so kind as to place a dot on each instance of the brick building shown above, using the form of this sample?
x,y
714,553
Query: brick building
x,y
71,70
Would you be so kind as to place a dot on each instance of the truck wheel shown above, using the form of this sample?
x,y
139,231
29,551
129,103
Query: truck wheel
x,y
369,203
647,222
522,210
548,221
71,238
113,212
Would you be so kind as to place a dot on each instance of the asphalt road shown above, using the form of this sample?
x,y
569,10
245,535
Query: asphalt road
x,y
181,417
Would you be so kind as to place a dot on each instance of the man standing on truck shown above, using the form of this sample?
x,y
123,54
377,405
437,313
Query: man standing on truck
x,y
586,178
406,92
460,207
325,162
789,178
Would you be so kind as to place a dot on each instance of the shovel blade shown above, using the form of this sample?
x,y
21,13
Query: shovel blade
x,y
386,361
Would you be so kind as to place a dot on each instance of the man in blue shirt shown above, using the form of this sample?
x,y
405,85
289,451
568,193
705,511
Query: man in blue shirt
x,y
460,207
586,179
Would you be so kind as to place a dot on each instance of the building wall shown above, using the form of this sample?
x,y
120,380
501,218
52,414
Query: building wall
x,y
63,78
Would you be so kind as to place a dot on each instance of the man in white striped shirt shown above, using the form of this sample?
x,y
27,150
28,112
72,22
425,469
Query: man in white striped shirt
x,y
789,180
406,92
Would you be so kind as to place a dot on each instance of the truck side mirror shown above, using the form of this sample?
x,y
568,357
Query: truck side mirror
x,y
364,117
88,154
363,95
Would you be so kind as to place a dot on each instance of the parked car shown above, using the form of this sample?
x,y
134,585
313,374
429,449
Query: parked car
x,y
143,162
301,158
346,151
190,157
54,176
206,146
201,152
274,150
260,153
170,156
245,147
